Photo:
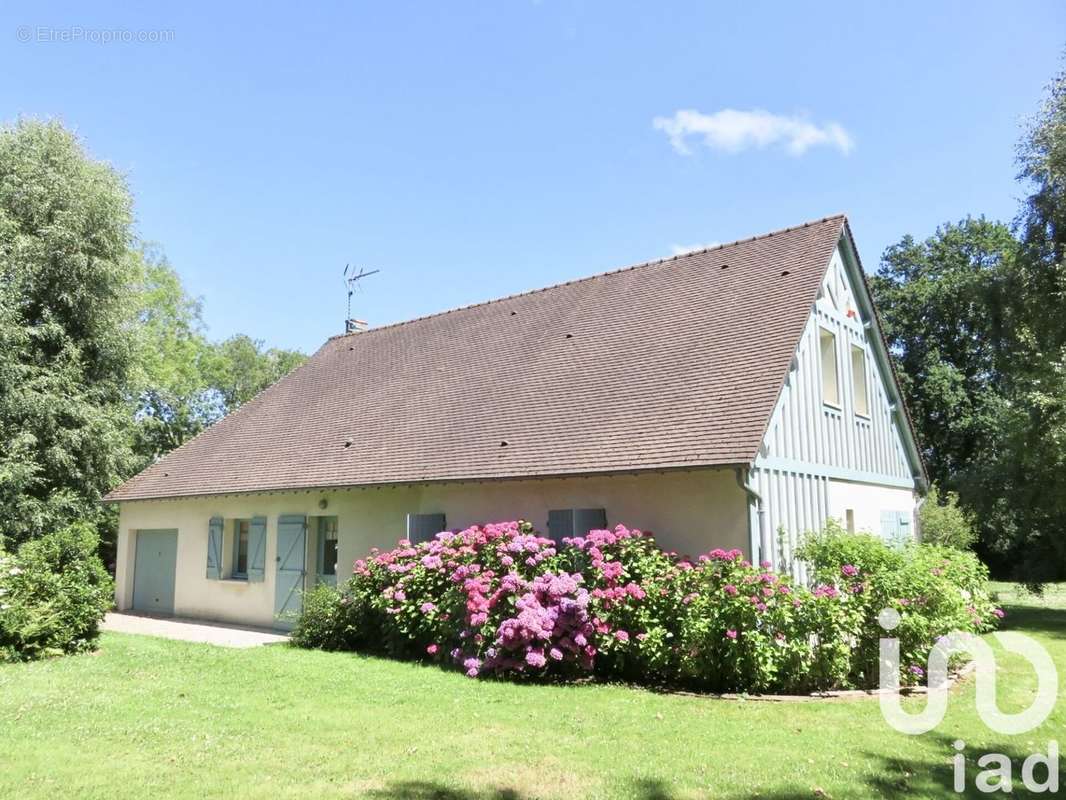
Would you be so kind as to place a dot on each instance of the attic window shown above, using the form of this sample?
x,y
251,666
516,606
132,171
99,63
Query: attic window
x,y
827,343
858,381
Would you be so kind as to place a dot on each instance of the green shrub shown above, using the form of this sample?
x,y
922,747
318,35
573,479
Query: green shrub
x,y
500,600
935,590
53,594
330,621
943,523
747,629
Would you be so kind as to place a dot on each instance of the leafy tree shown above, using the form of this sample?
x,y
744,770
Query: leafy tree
x,y
172,398
183,382
1037,432
944,523
242,368
976,317
104,364
65,322
946,305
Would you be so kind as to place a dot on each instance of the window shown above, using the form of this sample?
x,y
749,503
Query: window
x,y
571,522
858,381
849,516
423,527
236,549
327,546
240,548
827,341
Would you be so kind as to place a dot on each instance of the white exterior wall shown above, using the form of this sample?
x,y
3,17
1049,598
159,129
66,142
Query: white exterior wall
x,y
818,460
690,512
866,502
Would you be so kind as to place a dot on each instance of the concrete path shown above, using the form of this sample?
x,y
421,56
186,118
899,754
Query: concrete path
x,y
188,630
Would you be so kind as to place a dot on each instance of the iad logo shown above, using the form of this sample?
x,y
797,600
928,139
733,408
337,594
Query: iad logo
x,y
937,672
997,771
997,774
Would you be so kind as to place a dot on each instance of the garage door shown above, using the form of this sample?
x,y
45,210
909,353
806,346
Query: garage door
x,y
153,572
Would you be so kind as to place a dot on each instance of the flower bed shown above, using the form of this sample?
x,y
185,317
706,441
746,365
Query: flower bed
x,y
501,600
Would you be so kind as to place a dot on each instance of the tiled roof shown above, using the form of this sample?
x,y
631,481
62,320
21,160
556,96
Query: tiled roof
x,y
671,363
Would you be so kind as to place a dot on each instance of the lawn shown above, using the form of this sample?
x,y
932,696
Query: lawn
x,y
147,717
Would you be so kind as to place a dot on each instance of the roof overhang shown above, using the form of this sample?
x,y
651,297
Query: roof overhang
x,y
317,489
879,347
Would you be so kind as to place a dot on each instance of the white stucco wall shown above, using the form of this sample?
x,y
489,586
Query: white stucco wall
x,y
867,501
690,512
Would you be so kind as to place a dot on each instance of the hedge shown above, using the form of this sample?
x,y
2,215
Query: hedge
x,y
501,600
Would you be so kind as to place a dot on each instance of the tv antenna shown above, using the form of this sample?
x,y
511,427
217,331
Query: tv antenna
x,y
351,283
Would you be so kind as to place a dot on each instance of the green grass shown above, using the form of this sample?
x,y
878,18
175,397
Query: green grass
x,y
147,717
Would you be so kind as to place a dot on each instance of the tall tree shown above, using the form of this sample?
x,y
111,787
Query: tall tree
x,y
65,324
172,398
1038,424
182,382
243,367
946,304
976,317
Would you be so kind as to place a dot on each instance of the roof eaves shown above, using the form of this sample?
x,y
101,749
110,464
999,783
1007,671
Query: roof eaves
x,y
915,448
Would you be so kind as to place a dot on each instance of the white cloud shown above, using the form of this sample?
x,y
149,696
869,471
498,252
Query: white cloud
x,y
681,249
732,131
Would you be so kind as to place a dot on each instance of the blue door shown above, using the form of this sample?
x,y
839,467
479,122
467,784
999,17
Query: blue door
x,y
291,569
153,571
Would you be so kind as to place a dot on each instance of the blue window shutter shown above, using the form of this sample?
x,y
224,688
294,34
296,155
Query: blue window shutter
x,y
889,525
423,527
903,525
560,524
589,519
214,549
257,545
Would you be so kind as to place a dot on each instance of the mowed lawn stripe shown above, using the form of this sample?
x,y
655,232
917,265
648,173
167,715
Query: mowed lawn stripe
x,y
146,716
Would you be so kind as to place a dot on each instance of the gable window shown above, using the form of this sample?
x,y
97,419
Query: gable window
x,y
827,343
858,381
240,548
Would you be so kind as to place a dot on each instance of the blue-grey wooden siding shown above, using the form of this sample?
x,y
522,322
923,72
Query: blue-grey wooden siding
x,y
809,443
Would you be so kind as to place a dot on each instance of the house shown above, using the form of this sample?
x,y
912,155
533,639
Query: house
x,y
733,397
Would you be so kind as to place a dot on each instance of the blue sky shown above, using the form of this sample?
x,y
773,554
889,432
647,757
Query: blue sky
x,y
472,150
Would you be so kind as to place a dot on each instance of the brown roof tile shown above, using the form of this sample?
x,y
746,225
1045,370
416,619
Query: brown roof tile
x,y
672,363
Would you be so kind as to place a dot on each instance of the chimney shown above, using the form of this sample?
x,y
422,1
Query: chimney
x,y
355,326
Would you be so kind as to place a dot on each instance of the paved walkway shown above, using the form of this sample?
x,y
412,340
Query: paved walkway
x,y
188,630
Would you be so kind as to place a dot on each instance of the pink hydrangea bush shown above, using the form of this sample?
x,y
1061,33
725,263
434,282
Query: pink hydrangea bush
x,y
501,600
747,628
935,590
633,586
492,599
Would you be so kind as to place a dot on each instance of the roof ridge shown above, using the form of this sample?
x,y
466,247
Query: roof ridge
x,y
649,263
